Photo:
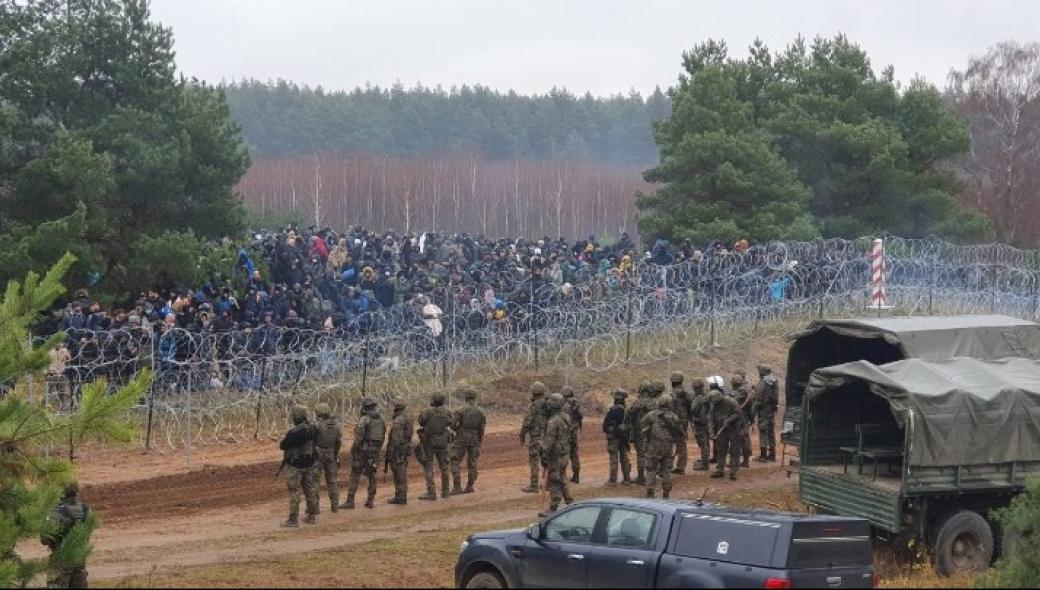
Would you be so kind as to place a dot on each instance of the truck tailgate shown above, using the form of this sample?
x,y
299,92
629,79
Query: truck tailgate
x,y
838,577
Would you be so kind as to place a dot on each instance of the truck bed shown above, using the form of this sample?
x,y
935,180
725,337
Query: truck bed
x,y
830,489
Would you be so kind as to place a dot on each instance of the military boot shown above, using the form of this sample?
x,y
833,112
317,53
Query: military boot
x,y
717,474
335,503
626,480
575,478
699,466
291,523
349,504
745,463
666,493
430,494
531,489
679,471
445,490
772,457
641,476
611,482
762,456
650,494
732,476
469,488
309,519
548,512
370,502
456,486
397,500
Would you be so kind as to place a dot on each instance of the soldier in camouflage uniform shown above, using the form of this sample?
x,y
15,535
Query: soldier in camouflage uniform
x,y
328,438
468,423
726,426
661,429
573,408
615,427
364,452
766,400
635,416
398,447
556,452
66,515
434,438
531,433
681,406
700,419
298,454
742,394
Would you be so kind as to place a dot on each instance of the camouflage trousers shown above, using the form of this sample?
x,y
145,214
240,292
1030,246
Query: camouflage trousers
x,y
399,467
534,461
328,466
729,443
617,452
681,456
745,442
700,434
441,457
659,465
556,482
303,481
469,452
575,458
362,463
640,446
68,578
766,435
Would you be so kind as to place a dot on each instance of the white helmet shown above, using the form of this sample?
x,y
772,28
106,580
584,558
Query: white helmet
x,y
716,382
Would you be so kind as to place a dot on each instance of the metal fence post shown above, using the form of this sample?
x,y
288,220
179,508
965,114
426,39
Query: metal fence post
x,y
189,393
628,324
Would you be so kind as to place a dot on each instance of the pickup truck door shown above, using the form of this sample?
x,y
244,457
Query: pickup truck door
x,y
560,558
628,558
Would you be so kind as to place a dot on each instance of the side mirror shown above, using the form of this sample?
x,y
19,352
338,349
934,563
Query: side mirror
x,y
534,532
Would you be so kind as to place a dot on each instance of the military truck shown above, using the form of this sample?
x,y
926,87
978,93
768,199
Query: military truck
x,y
923,448
828,342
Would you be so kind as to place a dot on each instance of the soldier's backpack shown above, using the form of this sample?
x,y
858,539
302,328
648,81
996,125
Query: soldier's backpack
x,y
435,430
471,419
376,431
328,434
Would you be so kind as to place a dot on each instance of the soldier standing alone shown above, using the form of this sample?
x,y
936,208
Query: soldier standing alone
x,y
615,427
767,398
398,447
298,454
531,433
66,515
681,405
556,451
468,423
434,432
661,430
327,442
726,424
364,452
700,417
573,408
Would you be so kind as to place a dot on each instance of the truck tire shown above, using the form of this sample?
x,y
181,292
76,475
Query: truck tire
x,y
962,542
486,579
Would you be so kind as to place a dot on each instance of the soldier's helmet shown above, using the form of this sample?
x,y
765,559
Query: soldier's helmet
x,y
368,403
322,410
656,388
469,393
556,401
71,489
678,378
567,391
438,399
665,401
537,389
698,383
764,369
644,387
620,395
716,382
298,414
738,380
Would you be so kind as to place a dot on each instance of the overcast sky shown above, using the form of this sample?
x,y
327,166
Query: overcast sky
x,y
604,46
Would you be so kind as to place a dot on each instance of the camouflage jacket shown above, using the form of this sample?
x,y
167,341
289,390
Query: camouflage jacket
x,y
469,423
400,439
661,429
556,442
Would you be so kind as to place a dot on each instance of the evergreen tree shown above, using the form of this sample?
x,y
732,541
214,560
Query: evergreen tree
x,y
31,482
1019,567
99,136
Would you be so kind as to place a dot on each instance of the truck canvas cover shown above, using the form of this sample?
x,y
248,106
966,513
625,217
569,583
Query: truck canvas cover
x,y
959,411
937,337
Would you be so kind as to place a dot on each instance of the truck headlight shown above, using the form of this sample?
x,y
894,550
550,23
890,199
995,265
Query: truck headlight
x,y
463,547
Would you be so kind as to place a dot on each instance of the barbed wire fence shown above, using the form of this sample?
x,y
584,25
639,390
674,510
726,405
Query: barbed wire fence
x,y
230,387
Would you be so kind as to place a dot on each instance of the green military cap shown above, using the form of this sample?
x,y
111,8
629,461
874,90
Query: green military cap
x,y
556,401
678,377
657,387
738,379
298,413
644,386
538,388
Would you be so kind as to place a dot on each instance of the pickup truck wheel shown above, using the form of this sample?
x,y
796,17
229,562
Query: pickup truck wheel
x,y
963,542
486,580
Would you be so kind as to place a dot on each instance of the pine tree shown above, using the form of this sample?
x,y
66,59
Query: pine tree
x,y
31,482
1020,528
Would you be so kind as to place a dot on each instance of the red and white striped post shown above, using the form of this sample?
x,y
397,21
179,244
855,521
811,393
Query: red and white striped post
x,y
877,274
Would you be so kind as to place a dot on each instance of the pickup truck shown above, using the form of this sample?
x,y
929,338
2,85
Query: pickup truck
x,y
645,543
